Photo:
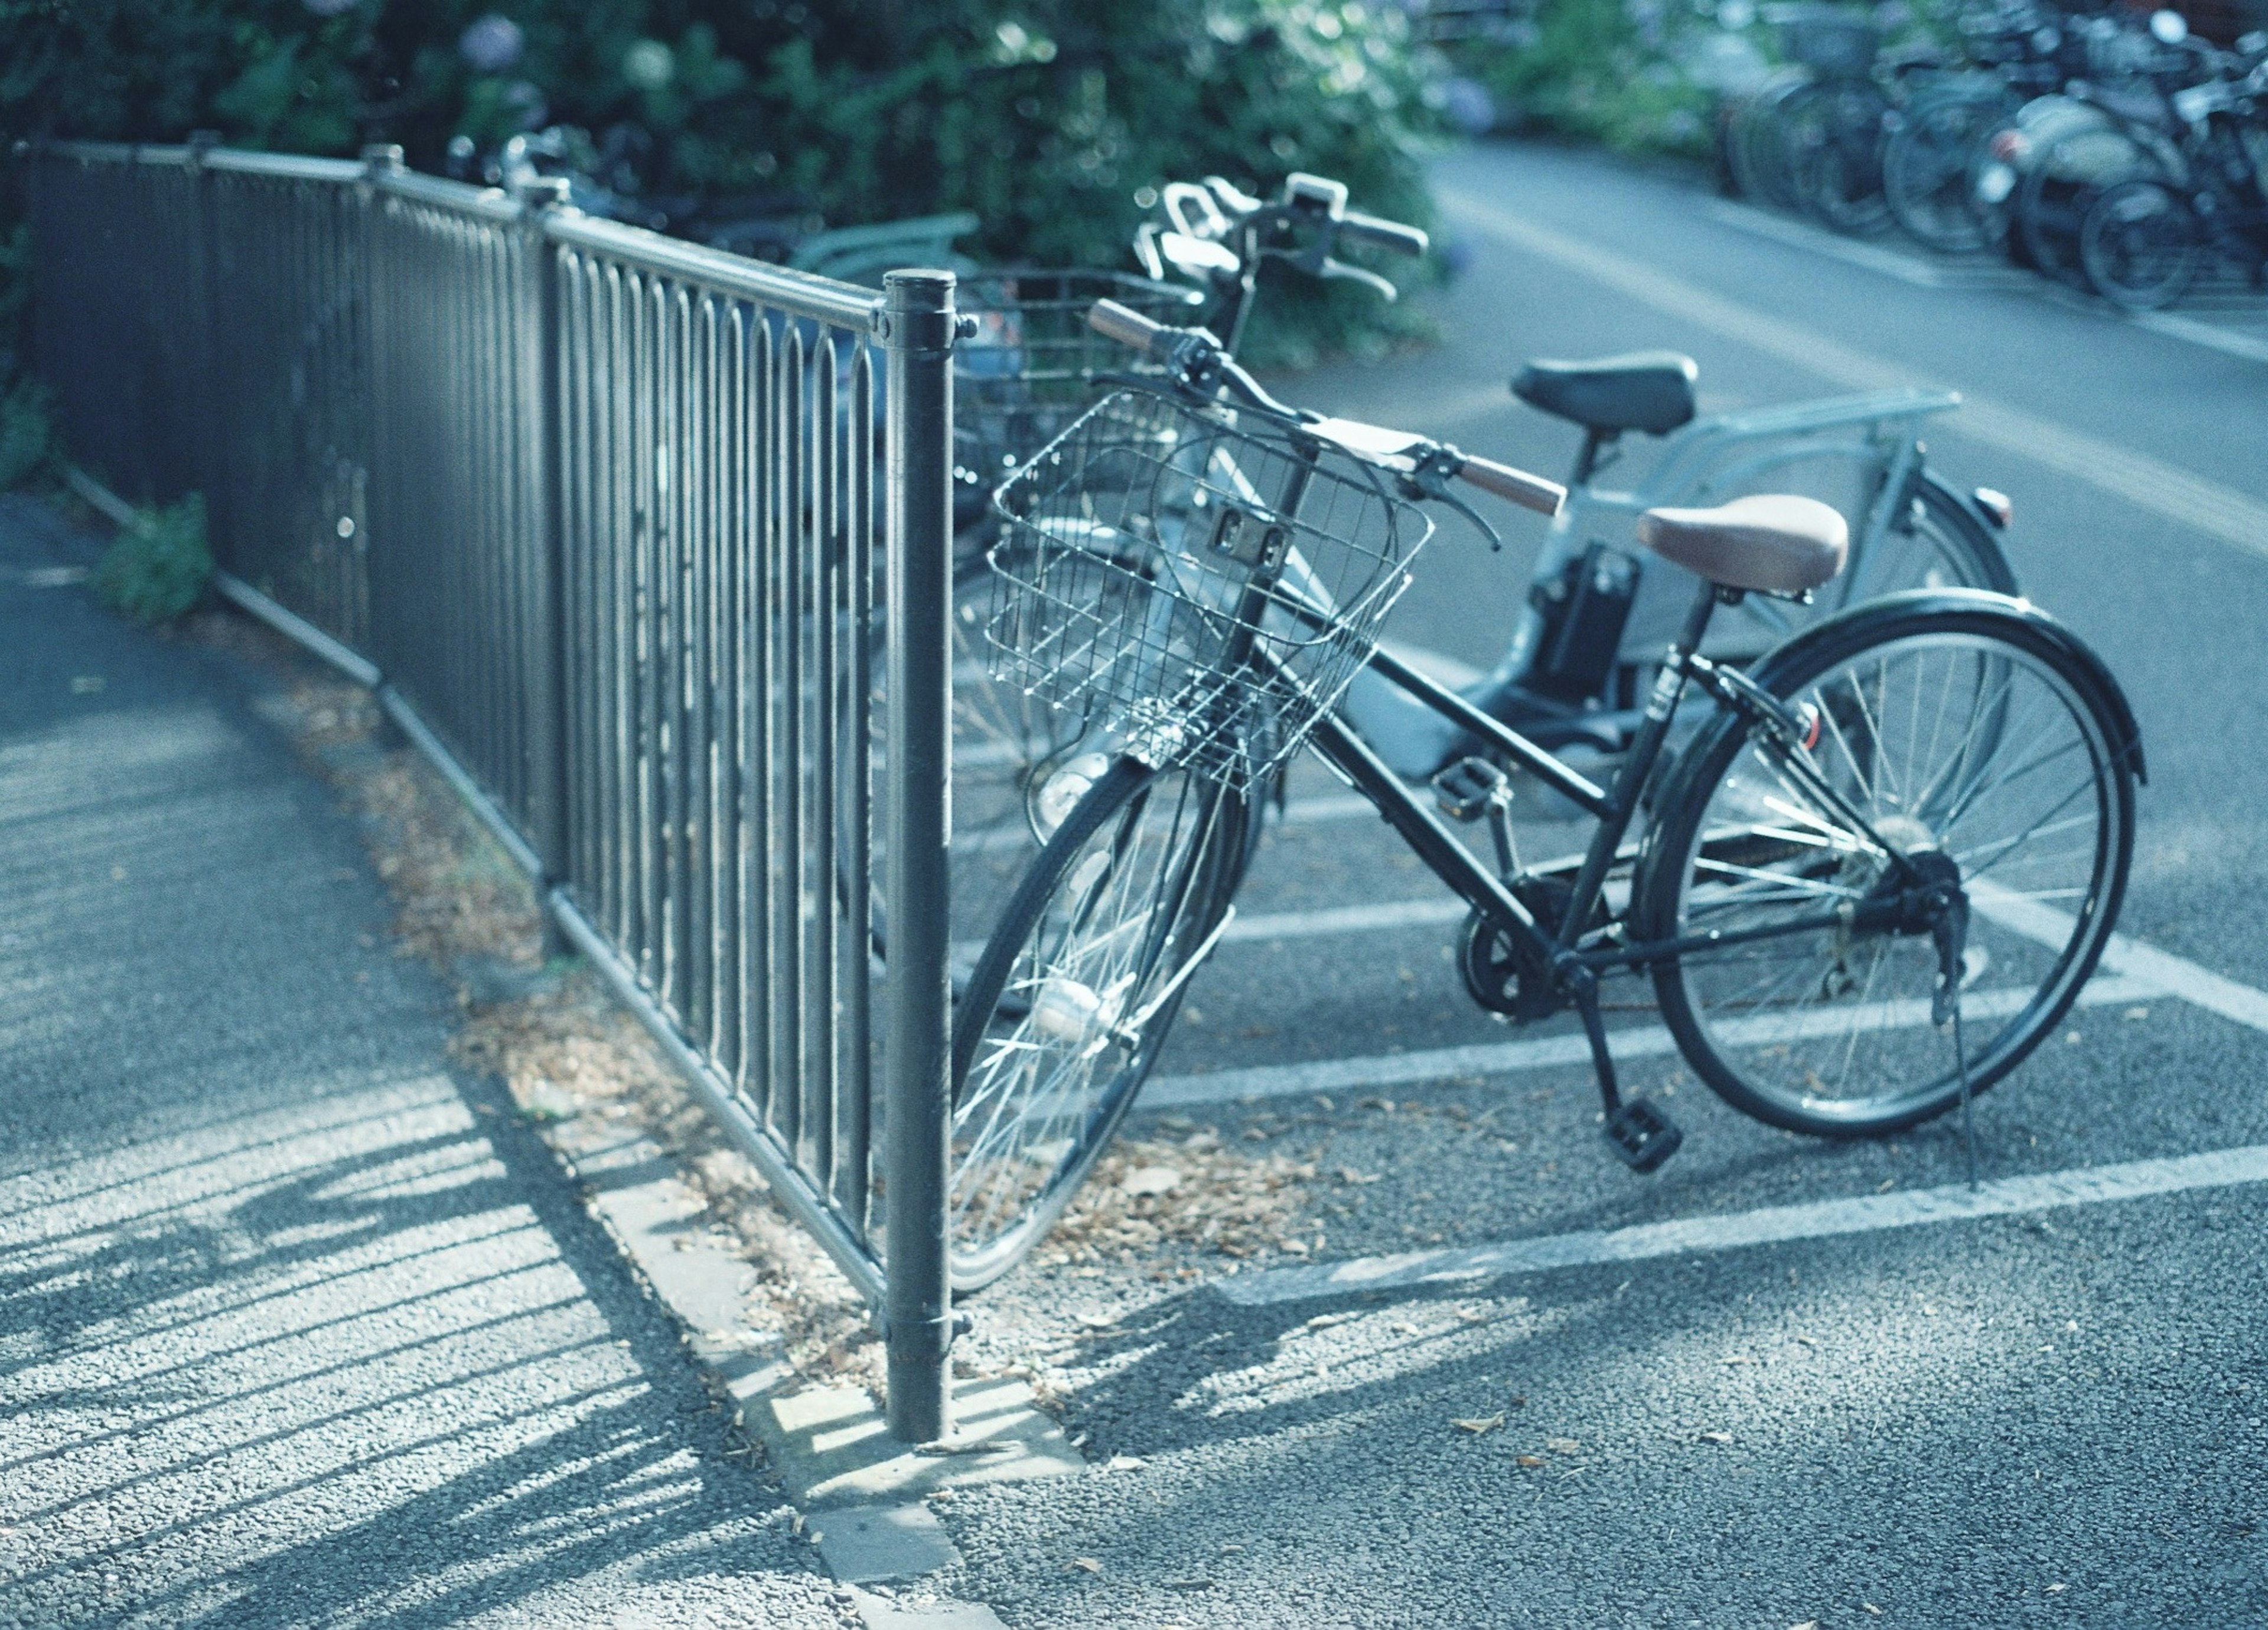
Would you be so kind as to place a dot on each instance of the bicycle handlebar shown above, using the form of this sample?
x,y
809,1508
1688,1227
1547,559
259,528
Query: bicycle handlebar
x,y
1130,329
1385,235
1515,486
1197,357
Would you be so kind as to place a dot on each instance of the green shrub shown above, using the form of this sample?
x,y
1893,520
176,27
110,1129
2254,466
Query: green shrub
x,y
1045,117
23,432
1616,72
157,568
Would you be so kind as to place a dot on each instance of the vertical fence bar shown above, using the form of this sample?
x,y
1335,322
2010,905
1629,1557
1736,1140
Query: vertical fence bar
x,y
918,333
539,345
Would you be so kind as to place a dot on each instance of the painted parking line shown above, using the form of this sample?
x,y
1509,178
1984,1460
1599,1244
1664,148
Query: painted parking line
x,y
1872,1213
2219,512
1301,812
1438,1064
1925,273
2177,975
1388,914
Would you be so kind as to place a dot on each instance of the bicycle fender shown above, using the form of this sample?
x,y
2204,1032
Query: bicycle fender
x,y
2017,616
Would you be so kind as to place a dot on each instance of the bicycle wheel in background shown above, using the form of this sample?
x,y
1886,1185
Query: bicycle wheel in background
x,y
1929,165
1977,737
2140,245
1073,996
1756,146
1833,134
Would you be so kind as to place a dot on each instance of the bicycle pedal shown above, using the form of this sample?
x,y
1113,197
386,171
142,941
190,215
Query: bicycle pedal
x,y
1642,1136
1466,788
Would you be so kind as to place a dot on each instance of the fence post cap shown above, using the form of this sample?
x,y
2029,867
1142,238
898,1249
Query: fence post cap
x,y
543,192
917,288
380,156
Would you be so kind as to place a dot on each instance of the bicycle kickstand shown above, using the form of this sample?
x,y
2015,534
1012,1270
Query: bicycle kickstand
x,y
1639,1132
1951,933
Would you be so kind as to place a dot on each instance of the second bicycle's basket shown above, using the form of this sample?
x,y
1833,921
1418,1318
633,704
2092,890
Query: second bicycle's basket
x,y
1200,582
1030,370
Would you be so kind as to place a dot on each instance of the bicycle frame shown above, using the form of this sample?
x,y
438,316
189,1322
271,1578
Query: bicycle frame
x,y
1574,966
1702,464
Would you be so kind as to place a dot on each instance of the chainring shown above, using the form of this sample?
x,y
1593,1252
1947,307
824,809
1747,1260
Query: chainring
x,y
1508,975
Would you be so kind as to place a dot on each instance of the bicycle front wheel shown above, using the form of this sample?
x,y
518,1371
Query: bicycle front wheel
x,y
1975,733
1073,996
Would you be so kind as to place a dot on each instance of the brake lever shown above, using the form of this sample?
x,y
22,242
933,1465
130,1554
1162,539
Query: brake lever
x,y
1330,270
1435,468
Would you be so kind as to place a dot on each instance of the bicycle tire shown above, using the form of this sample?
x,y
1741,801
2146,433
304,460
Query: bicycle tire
x,y
1739,842
1099,937
2140,245
1929,163
1756,150
1834,137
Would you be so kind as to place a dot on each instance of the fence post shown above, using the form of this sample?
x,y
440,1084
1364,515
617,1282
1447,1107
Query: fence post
x,y
915,325
545,678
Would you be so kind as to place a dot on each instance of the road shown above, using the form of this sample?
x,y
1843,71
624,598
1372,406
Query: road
x,y
299,1321
2054,1414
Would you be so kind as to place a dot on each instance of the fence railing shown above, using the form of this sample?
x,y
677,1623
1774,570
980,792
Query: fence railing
x,y
646,545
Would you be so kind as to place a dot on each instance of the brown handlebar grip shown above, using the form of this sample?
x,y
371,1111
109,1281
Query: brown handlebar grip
x,y
1128,328
1516,485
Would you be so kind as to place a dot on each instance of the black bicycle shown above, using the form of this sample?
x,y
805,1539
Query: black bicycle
x,y
1915,813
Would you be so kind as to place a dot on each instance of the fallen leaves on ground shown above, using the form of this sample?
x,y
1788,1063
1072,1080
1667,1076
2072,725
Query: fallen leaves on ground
x,y
1084,1564
1529,1461
1220,1199
1716,1437
570,1051
1479,1425
1562,1445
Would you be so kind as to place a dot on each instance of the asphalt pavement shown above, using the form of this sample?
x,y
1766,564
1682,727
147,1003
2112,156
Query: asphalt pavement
x,y
296,1327
2054,1414
299,1323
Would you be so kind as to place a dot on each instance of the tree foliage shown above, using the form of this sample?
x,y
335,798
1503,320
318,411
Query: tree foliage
x,y
1045,117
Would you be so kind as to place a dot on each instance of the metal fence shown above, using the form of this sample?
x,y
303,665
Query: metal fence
x,y
646,545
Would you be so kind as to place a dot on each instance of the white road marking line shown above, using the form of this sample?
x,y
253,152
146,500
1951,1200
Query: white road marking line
x,y
2176,975
2203,334
1301,812
1285,1081
2085,1185
2219,512
1911,269
1346,919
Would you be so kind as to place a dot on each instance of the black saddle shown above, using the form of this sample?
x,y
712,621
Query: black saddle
x,y
1648,390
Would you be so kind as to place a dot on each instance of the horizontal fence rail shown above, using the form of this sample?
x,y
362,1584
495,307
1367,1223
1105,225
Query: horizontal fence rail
x,y
646,545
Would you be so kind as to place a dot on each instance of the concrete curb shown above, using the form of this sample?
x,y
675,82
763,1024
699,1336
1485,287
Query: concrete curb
x,y
861,1494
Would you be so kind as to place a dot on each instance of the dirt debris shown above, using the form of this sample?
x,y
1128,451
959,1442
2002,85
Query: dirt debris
x,y
568,1050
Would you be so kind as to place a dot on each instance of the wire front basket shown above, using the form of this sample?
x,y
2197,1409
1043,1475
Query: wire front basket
x,y
1199,584
1030,368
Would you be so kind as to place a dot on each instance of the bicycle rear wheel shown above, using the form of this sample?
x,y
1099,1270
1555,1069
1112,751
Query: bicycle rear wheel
x,y
1073,996
2140,245
1976,733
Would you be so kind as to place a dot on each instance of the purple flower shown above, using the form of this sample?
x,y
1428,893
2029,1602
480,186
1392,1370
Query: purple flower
x,y
492,44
